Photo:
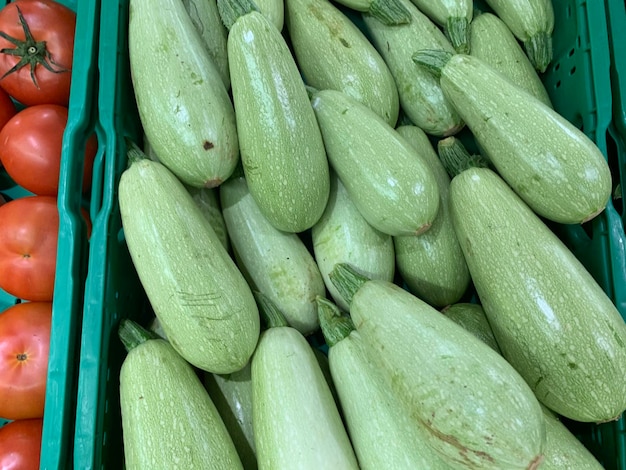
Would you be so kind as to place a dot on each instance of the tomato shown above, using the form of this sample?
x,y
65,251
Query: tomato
x,y
24,348
37,37
7,108
30,149
28,243
20,444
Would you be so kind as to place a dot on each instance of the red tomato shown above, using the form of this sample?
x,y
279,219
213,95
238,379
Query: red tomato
x,y
30,149
24,347
39,68
20,444
28,246
7,108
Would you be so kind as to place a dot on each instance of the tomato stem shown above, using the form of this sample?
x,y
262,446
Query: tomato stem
x,y
31,52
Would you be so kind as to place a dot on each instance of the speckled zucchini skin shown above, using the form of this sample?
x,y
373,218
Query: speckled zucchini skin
x,y
553,166
202,300
476,410
551,319
387,180
183,105
281,146
332,53
168,418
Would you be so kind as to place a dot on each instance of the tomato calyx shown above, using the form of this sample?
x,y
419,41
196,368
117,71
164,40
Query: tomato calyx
x,y
29,51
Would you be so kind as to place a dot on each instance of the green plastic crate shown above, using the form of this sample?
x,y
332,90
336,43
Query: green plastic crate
x,y
579,86
59,414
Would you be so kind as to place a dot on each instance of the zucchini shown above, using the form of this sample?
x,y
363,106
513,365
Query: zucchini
x,y
274,262
203,302
332,53
472,317
207,21
273,10
282,150
492,41
207,201
468,399
295,418
186,113
168,418
432,264
387,180
552,165
551,319
232,396
389,12
421,97
532,22
343,235
382,435
454,16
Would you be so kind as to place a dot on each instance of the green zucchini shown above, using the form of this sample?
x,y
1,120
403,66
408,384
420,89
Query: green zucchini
x,y
454,16
432,264
472,317
282,150
421,97
389,12
532,22
468,399
562,451
387,180
207,201
168,418
332,53
232,396
381,433
551,319
273,10
203,302
206,19
295,418
492,41
342,235
276,263
552,165
184,109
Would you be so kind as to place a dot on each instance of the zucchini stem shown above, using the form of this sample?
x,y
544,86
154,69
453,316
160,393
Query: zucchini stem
x,y
539,51
457,30
231,10
270,313
134,152
132,334
389,12
335,326
433,60
347,280
455,157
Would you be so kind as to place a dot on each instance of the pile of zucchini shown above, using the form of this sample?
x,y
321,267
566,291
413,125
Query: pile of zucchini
x,y
303,177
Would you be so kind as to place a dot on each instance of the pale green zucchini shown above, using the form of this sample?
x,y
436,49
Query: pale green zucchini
x,y
281,146
389,12
332,53
492,41
432,264
295,418
168,419
551,319
552,165
207,201
454,16
562,451
184,108
421,97
387,180
381,433
476,410
206,19
203,302
273,10
342,235
232,396
472,317
532,22
276,263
